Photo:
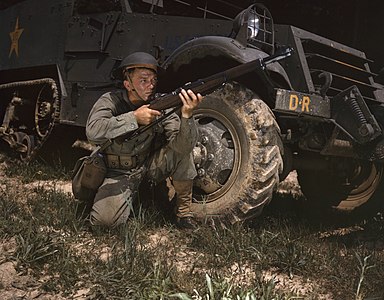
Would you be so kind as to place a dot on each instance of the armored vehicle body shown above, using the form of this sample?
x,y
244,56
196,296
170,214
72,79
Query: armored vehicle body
x,y
318,112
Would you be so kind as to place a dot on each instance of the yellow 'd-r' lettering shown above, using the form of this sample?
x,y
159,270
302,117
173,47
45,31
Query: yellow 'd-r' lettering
x,y
293,102
305,104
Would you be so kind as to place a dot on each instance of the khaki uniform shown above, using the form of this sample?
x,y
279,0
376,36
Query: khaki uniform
x,y
129,161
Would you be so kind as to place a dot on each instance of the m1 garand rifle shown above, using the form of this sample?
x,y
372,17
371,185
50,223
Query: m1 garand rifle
x,y
207,85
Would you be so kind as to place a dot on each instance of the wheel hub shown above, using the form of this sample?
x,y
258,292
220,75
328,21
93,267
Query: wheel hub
x,y
213,156
44,110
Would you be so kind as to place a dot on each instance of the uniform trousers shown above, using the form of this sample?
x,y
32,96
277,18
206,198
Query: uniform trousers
x,y
113,201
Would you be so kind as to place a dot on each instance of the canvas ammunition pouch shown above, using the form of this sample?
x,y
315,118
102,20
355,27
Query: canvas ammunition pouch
x,y
124,162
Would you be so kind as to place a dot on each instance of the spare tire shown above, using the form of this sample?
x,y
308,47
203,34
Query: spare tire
x,y
357,187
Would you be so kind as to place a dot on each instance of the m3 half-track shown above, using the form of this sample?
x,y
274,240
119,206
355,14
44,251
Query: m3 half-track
x,y
318,112
56,58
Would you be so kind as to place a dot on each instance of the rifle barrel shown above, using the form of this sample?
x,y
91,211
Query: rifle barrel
x,y
210,83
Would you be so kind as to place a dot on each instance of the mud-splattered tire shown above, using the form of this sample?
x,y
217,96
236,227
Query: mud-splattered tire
x,y
239,155
359,188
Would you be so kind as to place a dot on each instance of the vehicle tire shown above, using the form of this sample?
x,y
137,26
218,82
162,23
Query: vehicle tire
x,y
359,188
238,155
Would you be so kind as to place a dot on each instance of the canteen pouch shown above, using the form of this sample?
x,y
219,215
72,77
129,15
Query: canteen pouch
x,y
88,175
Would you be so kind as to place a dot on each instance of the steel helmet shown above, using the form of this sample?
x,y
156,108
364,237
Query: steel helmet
x,y
136,60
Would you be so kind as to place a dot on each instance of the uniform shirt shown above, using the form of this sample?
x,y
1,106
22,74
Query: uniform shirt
x,y
112,116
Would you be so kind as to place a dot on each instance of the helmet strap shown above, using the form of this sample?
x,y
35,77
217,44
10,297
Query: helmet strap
x,y
133,89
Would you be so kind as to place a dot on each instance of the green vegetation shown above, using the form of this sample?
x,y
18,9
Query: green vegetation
x,y
37,171
280,255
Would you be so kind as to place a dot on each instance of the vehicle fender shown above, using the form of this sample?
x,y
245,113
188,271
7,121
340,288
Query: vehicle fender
x,y
60,80
216,46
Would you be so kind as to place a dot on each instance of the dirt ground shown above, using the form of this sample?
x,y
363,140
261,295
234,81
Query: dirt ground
x,y
14,285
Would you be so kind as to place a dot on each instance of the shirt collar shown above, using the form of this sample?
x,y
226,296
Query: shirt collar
x,y
126,99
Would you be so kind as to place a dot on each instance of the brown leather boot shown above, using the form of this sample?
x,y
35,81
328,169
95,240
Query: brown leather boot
x,y
186,223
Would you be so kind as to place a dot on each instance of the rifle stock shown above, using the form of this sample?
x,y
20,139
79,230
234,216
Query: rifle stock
x,y
209,84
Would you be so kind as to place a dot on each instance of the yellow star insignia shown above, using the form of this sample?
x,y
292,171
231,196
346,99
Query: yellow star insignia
x,y
15,35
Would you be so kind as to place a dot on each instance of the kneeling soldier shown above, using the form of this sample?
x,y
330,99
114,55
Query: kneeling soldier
x,y
122,111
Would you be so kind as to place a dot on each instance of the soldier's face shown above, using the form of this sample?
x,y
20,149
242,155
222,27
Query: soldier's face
x,y
143,82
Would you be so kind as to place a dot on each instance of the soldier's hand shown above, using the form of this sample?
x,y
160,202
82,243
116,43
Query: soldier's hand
x,y
190,102
144,115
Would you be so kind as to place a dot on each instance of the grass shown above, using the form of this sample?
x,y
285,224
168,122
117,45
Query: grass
x,y
280,255
38,171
